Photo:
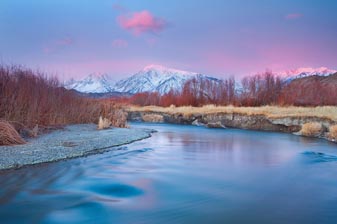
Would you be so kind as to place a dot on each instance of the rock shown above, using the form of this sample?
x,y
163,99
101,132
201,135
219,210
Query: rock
x,y
215,125
197,123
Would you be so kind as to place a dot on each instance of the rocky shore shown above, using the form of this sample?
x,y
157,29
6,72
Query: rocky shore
x,y
73,141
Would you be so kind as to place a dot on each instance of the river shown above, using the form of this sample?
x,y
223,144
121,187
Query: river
x,y
182,174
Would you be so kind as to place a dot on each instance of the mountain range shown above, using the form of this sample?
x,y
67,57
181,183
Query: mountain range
x,y
153,78
306,72
157,78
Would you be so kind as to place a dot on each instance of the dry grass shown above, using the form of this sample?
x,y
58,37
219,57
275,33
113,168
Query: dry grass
x,y
312,129
153,118
103,123
8,135
329,112
333,132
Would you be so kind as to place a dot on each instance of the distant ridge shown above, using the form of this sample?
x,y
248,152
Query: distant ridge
x,y
152,78
157,78
306,72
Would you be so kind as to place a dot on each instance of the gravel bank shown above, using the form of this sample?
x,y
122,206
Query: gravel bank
x,y
73,141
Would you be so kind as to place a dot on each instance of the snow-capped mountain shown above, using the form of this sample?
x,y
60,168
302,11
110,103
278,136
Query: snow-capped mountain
x,y
153,78
306,72
93,83
156,78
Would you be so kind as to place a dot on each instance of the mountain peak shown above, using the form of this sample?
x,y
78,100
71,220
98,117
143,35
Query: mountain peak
x,y
156,78
303,72
93,83
308,71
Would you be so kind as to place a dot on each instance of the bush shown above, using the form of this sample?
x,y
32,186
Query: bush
x,y
312,129
8,135
32,98
333,132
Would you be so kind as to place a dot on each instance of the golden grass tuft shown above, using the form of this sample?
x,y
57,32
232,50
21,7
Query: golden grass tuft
x,y
103,123
8,135
153,118
333,132
312,129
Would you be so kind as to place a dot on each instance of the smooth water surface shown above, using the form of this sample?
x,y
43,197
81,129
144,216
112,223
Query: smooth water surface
x,y
183,174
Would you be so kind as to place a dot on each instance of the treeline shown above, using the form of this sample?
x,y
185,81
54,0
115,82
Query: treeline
x,y
29,98
257,90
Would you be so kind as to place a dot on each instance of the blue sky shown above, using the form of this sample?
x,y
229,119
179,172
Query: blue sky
x,y
73,38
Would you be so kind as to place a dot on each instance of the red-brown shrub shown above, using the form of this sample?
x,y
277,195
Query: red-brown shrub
x,y
32,98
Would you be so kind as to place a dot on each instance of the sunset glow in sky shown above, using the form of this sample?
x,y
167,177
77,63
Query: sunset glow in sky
x,y
218,37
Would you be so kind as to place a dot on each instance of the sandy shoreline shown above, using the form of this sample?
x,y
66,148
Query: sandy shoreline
x,y
71,142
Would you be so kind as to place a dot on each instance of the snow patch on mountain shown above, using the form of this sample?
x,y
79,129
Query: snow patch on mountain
x,y
93,83
306,72
154,78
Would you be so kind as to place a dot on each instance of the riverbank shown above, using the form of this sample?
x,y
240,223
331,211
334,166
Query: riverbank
x,y
70,142
268,118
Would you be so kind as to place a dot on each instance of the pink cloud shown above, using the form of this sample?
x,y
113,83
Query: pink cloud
x,y
293,16
120,43
142,22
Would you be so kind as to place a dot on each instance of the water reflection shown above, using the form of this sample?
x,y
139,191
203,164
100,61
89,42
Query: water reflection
x,y
230,147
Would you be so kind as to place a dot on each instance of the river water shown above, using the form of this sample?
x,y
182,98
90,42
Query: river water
x,y
182,174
